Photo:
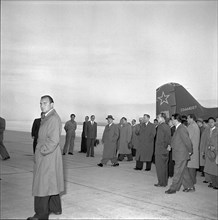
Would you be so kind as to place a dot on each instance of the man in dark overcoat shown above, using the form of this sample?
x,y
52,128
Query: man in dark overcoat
x,y
109,140
162,147
83,138
146,144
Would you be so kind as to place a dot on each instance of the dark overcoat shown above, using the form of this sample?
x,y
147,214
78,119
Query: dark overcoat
x,y
163,139
146,142
109,140
48,166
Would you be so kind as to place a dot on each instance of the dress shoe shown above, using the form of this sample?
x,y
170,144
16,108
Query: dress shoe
x,y
32,218
56,213
136,168
158,185
115,165
70,153
170,191
100,165
147,169
6,158
63,154
215,187
130,160
205,181
189,189
92,156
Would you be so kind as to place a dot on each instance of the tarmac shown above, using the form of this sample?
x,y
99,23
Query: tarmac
x,y
93,192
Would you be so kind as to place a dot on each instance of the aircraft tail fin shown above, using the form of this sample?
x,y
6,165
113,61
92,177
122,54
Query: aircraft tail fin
x,y
173,98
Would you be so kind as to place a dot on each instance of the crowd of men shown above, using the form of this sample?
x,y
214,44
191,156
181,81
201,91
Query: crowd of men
x,y
179,147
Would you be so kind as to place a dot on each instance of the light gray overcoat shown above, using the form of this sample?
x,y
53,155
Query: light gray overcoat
x,y
48,166
194,134
125,138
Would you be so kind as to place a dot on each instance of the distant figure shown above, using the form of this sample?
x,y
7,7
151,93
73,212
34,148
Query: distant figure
x,y
194,134
210,140
91,135
84,139
201,160
134,140
124,145
70,128
34,131
146,144
48,179
182,149
109,140
184,120
3,151
171,162
153,156
162,148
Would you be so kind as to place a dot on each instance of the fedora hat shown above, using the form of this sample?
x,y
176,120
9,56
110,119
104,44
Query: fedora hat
x,y
110,116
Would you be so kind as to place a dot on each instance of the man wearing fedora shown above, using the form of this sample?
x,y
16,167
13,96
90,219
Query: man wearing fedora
x,y
210,141
109,140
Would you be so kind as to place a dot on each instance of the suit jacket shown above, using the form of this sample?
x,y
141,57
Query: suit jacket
x,y
35,128
91,130
163,139
181,144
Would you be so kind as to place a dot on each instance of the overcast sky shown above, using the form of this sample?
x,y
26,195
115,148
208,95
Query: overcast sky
x,y
105,57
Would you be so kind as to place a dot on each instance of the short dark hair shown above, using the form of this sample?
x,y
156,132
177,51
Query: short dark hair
x,y
155,120
72,115
49,97
124,118
163,115
177,117
192,116
211,118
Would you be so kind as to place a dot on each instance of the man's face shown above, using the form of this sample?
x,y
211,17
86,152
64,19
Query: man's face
x,y
86,118
159,119
174,121
133,122
93,118
45,105
72,117
189,119
109,120
211,123
145,119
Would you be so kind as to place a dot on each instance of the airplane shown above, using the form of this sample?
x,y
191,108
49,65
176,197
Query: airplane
x,y
173,98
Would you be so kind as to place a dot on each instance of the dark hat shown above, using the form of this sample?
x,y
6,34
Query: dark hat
x,y
110,116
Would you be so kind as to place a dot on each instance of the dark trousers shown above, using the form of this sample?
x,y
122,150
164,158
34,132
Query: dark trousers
x,y
3,151
34,144
121,157
139,165
133,152
90,146
181,176
193,173
84,145
170,165
43,206
161,163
